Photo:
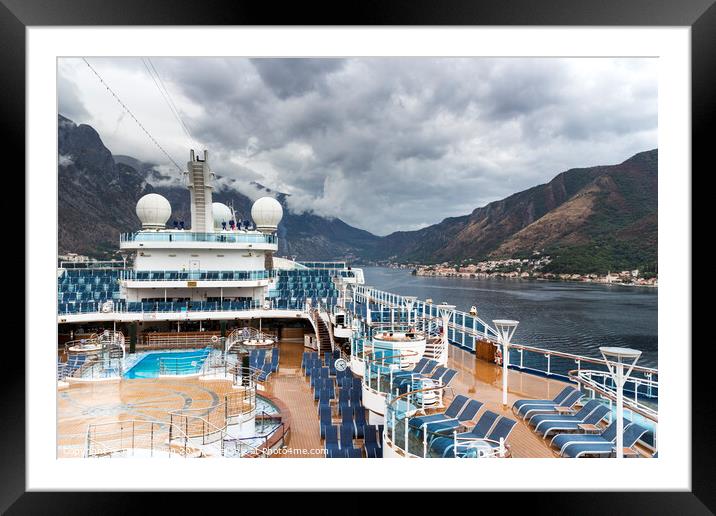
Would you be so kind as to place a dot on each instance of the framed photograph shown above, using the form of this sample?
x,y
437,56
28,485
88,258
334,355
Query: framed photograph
x,y
445,248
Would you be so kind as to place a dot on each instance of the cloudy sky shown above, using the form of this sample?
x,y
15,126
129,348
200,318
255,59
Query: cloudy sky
x,y
385,144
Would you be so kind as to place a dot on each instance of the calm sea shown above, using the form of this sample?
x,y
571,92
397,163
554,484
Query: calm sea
x,y
572,317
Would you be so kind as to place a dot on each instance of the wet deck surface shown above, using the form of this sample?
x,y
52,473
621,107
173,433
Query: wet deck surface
x,y
152,399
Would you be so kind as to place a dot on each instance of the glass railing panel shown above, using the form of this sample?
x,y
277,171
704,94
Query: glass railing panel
x,y
189,236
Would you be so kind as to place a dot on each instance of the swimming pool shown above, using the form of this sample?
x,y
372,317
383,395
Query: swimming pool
x,y
170,363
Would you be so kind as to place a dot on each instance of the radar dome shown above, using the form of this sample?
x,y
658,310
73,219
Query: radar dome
x,y
267,213
222,213
154,211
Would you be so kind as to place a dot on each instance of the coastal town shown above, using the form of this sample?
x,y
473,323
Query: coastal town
x,y
528,269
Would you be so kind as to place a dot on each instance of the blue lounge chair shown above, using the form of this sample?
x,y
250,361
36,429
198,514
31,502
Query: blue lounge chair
x,y
323,396
265,372
483,426
559,398
344,403
347,433
333,450
359,420
304,360
414,380
424,366
540,421
353,453
356,394
632,433
274,361
607,435
324,418
456,405
528,411
448,377
444,446
468,448
592,418
446,425
501,431
371,442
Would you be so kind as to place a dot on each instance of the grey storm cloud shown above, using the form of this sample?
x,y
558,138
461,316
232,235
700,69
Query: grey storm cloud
x,y
385,144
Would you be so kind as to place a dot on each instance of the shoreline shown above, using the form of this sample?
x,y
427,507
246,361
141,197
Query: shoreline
x,y
466,275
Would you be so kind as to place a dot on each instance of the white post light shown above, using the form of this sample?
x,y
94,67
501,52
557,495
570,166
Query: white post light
x,y
505,330
445,312
617,359
367,307
409,302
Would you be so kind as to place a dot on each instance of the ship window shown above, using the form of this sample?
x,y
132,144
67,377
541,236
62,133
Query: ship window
x,y
220,255
172,255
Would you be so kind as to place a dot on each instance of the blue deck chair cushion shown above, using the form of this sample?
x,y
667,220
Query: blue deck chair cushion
x,y
556,400
483,425
502,430
632,433
529,410
537,419
607,435
592,418
457,404
467,414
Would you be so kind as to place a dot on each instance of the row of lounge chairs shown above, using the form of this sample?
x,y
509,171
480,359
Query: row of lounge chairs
x,y
426,370
487,433
346,450
331,385
543,416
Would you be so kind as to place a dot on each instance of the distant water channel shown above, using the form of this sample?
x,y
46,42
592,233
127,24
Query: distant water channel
x,y
563,316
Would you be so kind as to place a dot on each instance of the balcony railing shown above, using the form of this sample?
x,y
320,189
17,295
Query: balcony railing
x,y
148,307
196,275
230,237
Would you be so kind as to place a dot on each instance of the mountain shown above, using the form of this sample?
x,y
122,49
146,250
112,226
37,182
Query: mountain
x,y
98,192
96,195
587,219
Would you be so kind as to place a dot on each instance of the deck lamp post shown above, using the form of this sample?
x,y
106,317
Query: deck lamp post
x,y
445,311
617,360
409,301
505,330
367,306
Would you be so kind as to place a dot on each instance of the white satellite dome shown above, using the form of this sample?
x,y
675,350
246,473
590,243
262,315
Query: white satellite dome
x,y
267,213
222,213
154,211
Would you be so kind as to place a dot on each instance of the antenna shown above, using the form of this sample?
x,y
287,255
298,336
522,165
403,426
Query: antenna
x,y
231,207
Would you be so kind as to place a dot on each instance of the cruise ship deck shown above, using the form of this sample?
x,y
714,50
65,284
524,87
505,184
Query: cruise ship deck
x,y
208,345
96,403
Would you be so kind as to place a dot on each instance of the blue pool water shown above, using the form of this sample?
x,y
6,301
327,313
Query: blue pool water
x,y
185,362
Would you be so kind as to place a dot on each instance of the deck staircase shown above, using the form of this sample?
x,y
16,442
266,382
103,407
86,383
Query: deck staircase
x,y
435,349
325,344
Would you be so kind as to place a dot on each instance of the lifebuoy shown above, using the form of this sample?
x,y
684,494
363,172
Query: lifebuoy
x,y
214,338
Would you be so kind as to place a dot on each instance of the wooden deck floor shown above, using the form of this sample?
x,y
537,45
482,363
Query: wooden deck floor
x,y
483,381
83,404
291,387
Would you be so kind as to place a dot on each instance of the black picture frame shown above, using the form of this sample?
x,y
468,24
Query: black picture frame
x,y
700,15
